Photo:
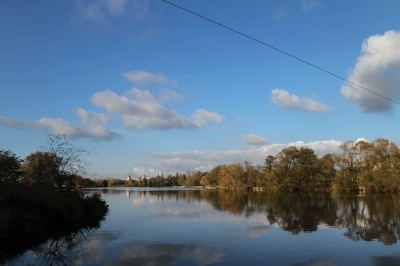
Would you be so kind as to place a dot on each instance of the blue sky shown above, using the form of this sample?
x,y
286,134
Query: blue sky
x,y
155,89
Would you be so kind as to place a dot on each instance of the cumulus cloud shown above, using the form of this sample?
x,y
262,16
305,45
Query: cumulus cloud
x,y
144,112
254,140
144,78
360,139
377,69
170,96
93,125
285,100
307,5
201,117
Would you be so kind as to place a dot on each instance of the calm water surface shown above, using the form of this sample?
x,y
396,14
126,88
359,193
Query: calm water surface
x,y
202,227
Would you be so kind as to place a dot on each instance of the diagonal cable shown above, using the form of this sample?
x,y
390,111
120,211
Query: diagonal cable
x,y
283,52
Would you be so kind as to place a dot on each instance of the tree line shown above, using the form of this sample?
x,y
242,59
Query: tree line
x,y
361,166
58,165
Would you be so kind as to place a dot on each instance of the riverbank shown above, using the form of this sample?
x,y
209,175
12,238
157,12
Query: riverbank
x,y
32,216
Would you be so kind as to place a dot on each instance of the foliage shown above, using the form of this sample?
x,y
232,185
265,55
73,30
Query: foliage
x,y
81,182
193,179
181,179
367,166
10,173
211,179
39,169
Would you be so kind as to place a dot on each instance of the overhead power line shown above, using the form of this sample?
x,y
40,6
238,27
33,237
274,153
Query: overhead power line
x,y
276,49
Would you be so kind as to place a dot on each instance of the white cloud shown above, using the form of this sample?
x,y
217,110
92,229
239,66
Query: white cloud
x,y
170,96
137,172
254,140
360,139
144,78
284,99
8,122
201,117
93,125
144,112
57,126
377,69
307,5
172,162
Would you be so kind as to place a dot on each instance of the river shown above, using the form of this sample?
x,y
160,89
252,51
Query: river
x,y
169,226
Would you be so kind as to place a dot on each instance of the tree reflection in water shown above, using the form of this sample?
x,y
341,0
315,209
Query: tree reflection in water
x,y
366,217
370,217
374,217
65,250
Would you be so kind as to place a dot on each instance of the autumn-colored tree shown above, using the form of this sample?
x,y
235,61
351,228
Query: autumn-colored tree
x,y
212,178
39,169
285,168
325,172
181,179
346,178
233,176
193,179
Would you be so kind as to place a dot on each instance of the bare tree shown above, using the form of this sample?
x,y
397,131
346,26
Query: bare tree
x,y
68,159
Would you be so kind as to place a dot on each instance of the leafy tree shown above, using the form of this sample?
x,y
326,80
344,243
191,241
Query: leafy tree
x,y
212,178
285,168
58,163
325,171
194,179
10,173
181,179
38,170
348,167
250,174
152,182
306,169
269,162
233,177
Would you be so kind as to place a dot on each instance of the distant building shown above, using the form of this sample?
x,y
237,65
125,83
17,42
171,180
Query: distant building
x,y
128,178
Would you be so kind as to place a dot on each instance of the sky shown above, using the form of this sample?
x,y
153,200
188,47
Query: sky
x,y
155,89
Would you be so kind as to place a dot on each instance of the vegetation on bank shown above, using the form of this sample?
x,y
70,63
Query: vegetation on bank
x,y
361,166
38,195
